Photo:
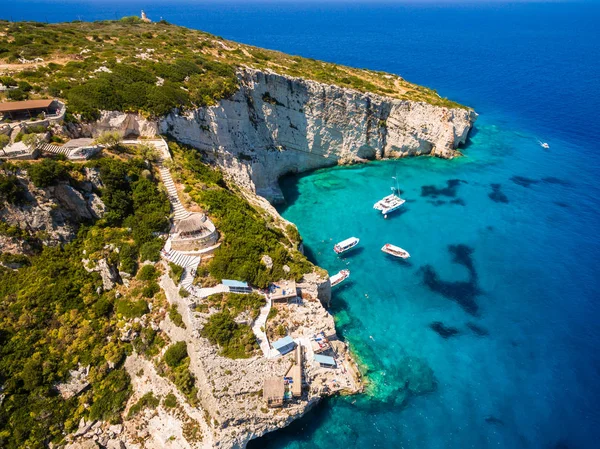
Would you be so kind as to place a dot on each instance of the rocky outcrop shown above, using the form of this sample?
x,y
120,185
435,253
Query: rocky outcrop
x,y
53,213
128,124
276,124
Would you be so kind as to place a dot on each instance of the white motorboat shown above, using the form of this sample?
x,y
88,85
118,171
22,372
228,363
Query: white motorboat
x,y
395,251
339,277
345,245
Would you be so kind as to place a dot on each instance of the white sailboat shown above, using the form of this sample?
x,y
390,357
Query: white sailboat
x,y
391,202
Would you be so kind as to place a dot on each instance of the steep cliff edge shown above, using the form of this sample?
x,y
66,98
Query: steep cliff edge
x,y
276,124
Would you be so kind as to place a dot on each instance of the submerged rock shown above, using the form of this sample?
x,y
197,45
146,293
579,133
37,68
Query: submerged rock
x,y
443,330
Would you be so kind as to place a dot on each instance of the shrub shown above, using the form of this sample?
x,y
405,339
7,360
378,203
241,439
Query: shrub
x,y
146,401
46,173
131,309
110,396
183,292
175,354
175,271
148,273
175,316
151,250
170,401
128,255
11,189
150,290
17,95
236,340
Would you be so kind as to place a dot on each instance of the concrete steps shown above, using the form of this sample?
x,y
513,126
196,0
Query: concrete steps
x,y
54,149
189,265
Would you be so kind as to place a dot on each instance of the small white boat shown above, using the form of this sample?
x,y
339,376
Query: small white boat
x,y
345,245
395,251
543,144
391,202
339,277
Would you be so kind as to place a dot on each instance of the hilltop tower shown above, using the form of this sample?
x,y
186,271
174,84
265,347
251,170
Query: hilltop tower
x,y
144,17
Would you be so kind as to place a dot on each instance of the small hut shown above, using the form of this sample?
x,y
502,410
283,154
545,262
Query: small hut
x,y
284,345
273,391
191,226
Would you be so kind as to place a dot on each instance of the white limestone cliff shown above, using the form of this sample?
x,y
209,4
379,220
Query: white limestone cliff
x,y
277,124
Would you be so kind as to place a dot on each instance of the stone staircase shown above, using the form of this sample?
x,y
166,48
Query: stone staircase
x,y
54,149
189,264
178,210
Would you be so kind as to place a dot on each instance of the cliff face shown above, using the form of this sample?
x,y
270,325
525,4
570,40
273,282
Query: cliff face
x,y
276,124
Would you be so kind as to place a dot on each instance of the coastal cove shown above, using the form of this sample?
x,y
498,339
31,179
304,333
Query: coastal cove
x,y
487,335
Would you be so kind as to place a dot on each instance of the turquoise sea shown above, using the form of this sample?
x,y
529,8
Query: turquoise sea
x,y
505,241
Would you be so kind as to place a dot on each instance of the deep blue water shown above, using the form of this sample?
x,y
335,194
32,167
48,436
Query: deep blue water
x,y
519,260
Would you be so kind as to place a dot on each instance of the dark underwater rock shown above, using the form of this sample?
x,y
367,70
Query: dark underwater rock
x,y
523,181
443,330
558,181
496,195
491,419
477,330
449,190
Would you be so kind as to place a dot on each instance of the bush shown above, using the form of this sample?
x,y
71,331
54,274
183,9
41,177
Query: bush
x,y
131,309
175,271
46,173
148,273
150,290
151,250
170,401
183,292
146,401
110,396
11,190
175,354
176,317
17,95
236,340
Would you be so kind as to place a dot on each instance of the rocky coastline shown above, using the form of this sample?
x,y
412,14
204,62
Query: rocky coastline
x,y
272,126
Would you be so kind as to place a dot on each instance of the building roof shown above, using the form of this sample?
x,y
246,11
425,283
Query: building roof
x,y
232,283
283,342
13,106
273,389
193,223
324,359
283,289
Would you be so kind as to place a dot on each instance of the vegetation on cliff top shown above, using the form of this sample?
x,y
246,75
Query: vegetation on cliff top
x,y
151,68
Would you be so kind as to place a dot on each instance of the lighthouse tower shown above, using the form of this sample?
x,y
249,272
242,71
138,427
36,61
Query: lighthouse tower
x,y
145,17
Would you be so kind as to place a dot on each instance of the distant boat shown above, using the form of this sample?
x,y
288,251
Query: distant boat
x,y
395,251
339,277
543,144
345,245
391,202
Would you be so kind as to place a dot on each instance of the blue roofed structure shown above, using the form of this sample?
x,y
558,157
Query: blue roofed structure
x,y
236,286
284,345
324,360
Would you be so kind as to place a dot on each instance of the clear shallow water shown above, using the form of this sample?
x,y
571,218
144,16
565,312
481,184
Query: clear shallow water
x,y
529,266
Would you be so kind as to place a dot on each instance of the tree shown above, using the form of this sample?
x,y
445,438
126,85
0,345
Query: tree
x,y
110,139
4,141
31,141
148,152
